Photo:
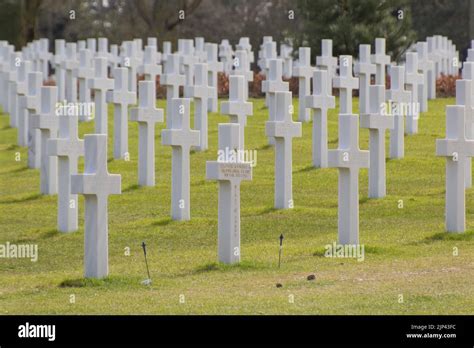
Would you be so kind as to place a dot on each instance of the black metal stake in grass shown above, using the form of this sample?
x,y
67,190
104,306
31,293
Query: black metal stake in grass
x,y
279,252
146,263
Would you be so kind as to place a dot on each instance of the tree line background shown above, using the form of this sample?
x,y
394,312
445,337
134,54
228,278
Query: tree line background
x,y
302,22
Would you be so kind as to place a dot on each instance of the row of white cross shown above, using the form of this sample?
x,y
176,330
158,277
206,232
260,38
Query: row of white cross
x,y
53,144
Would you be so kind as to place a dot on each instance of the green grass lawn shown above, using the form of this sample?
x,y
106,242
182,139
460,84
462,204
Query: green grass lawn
x,y
407,251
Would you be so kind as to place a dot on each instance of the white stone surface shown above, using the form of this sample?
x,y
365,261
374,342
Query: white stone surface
x,y
60,74
96,184
397,96
283,130
238,108
304,72
349,159
85,72
147,115
273,84
456,148
381,60
346,83
70,65
47,123
32,103
465,97
200,92
364,69
229,173
172,80
67,147
377,122
121,97
412,80
214,67
181,138
327,62
320,101
100,84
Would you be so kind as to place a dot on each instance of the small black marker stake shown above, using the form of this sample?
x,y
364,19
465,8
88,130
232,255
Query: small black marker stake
x,y
279,252
146,281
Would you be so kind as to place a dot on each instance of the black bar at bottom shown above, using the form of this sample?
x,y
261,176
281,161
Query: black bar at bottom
x,y
430,331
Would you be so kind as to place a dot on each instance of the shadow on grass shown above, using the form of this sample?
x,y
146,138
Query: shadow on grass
x,y
333,141
447,236
43,235
12,147
131,188
18,170
111,281
306,169
221,267
162,222
24,199
264,147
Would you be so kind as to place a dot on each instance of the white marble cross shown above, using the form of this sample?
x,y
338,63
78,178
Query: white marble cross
x,y
327,62
304,71
229,171
188,60
381,60
425,66
21,90
100,84
283,130
131,61
241,68
320,101
225,55
200,92
12,79
114,57
121,97
214,67
166,51
456,148
47,122
465,97
273,84
181,138
60,74
412,80
150,68
349,159
346,83
199,51
172,80
92,46
70,65
103,48
44,56
96,184
397,96
85,72
434,56
364,70
377,121
285,55
147,115
32,103
67,147
237,107
244,44
269,53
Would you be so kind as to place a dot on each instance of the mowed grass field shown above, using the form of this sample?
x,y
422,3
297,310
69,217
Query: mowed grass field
x,y
407,252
